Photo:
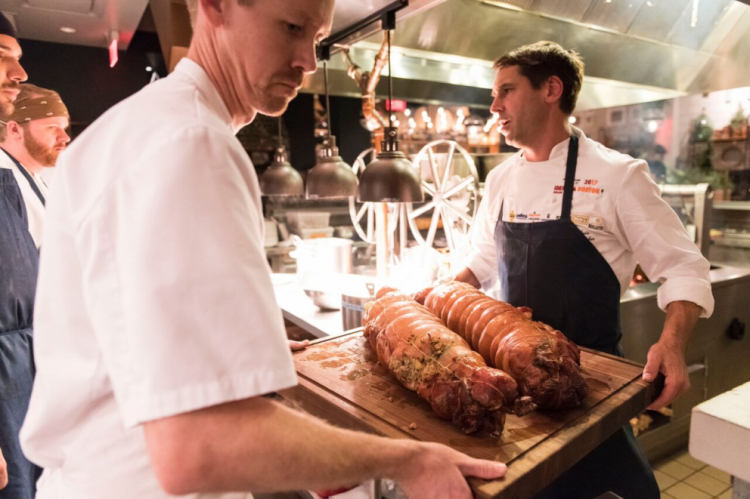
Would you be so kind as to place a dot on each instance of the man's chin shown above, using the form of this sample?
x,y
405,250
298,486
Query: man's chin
x,y
275,106
510,140
6,106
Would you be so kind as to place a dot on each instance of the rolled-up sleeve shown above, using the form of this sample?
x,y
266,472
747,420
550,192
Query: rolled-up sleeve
x,y
654,233
186,315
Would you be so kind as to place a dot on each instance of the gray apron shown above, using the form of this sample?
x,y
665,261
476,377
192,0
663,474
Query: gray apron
x,y
554,269
19,263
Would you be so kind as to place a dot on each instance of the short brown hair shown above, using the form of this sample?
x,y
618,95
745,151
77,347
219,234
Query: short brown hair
x,y
192,6
541,60
26,91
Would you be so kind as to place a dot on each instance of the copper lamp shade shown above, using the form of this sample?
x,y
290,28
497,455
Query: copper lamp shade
x,y
280,179
391,178
331,178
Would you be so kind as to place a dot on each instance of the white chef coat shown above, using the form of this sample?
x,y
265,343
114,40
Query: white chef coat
x,y
34,207
616,205
154,295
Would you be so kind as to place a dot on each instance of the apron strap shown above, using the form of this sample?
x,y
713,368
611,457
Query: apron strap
x,y
570,174
26,174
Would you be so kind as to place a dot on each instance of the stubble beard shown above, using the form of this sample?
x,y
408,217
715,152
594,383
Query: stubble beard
x,y
6,106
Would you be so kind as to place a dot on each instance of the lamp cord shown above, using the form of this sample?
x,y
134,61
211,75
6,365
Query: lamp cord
x,y
281,144
390,83
328,102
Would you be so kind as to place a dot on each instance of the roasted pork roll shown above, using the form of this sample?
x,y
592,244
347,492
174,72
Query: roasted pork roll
x,y
430,359
544,363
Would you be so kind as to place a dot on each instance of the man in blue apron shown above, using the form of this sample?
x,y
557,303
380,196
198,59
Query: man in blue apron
x,y
562,225
33,137
18,272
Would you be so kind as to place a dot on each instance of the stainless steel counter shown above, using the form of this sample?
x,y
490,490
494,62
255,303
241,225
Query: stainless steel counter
x,y
299,309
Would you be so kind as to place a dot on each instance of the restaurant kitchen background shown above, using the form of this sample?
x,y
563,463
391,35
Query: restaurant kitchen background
x,y
667,82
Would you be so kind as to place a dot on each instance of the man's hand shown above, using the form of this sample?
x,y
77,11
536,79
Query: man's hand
x,y
298,345
667,356
467,276
438,472
3,471
670,361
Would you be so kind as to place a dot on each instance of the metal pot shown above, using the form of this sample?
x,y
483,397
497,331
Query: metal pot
x,y
320,262
353,300
318,259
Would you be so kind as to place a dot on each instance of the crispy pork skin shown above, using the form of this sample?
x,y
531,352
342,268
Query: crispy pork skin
x,y
430,359
542,360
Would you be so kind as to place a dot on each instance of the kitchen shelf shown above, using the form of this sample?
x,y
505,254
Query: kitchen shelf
x,y
732,205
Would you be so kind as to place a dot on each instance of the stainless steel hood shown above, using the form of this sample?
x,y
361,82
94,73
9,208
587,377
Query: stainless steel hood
x,y
634,50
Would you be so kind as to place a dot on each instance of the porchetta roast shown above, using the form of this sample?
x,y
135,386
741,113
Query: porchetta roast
x,y
430,359
542,360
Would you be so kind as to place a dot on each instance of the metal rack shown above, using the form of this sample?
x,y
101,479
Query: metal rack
x,y
694,209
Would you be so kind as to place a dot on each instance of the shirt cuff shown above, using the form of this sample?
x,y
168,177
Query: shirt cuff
x,y
692,289
139,407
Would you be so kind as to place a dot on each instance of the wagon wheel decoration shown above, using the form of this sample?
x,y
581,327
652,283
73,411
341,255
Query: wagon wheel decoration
x,y
454,193
363,214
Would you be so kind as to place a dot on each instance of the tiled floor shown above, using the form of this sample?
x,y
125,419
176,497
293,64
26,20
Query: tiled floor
x,y
683,477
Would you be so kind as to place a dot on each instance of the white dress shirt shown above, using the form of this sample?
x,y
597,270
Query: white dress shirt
x,y
154,296
34,207
616,205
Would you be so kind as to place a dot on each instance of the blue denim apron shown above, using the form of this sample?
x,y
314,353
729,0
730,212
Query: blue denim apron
x,y
19,264
554,269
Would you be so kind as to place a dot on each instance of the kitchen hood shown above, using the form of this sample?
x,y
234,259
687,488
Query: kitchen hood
x,y
634,50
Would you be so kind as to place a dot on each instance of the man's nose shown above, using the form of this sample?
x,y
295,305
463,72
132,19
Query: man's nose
x,y
63,137
306,59
496,106
17,73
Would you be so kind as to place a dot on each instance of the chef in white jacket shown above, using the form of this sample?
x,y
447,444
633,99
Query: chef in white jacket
x,y
157,331
31,140
562,225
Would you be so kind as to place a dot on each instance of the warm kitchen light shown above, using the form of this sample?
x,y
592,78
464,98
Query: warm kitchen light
x,y
391,178
66,29
331,177
281,179
113,55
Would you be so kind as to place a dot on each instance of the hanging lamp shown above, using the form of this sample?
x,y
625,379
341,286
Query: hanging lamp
x,y
331,177
391,178
281,179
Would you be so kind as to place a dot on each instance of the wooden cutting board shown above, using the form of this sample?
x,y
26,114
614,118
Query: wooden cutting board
x,y
341,381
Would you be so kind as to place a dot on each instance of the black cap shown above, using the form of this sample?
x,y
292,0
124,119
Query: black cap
x,y
6,28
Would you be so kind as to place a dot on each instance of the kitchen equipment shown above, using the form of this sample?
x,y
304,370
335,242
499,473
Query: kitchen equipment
x,y
353,300
271,234
320,263
315,233
325,299
319,259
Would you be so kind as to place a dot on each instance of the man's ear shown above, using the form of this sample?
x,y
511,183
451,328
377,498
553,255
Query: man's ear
x,y
554,89
13,130
213,11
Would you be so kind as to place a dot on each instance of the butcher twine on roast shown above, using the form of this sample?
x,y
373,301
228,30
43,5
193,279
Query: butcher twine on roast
x,y
542,360
430,359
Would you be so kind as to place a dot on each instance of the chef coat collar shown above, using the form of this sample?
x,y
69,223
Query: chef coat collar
x,y
560,151
195,72
5,161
